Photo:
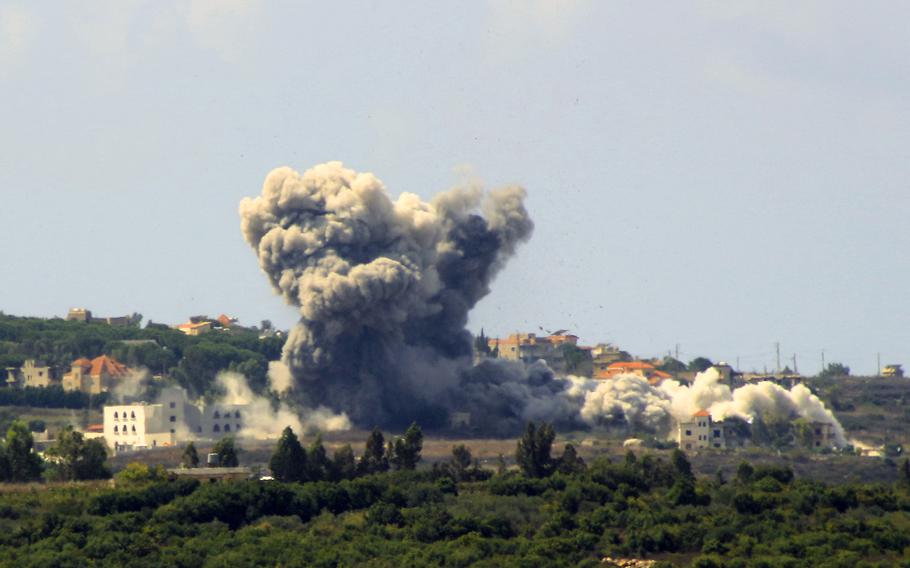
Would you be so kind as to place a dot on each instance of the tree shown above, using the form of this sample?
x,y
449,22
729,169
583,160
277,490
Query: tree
x,y
374,459
905,473
78,458
406,451
835,370
318,465
671,365
532,453
681,465
482,345
461,461
289,462
344,465
23,463
227,452
700,364
570,462
190,457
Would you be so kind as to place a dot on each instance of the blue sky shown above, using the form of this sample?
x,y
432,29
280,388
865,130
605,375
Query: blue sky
x,y
719,175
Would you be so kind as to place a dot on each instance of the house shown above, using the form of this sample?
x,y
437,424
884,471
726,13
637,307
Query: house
x,y
604,354
85,316
226,321
822,435
36,374
640,368
893,371
528,348
194,329
99,375
213,474
173,420
700,432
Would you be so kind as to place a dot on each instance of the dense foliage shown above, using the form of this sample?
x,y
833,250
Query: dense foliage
x,y
645,507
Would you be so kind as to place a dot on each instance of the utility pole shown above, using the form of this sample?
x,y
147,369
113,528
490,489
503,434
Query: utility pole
x,y
777,351
737,362
795,368
677,351
823,360
878,370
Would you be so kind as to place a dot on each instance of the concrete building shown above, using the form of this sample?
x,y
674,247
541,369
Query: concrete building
x,y
528,348
603,355
894,371
195,329
701,432
36,374
85,316
99,375
174,419
822,435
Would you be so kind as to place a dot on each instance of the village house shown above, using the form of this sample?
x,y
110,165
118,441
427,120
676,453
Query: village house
x,y
194,329
700,432
35,374
174,419
528,348
99,375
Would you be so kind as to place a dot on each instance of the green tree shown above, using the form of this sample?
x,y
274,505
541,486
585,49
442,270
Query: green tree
x,y
406,451
374,458
318,465
570,462
835,370
190,457
289,462
461,461
78,458
671,365
681,465
532,453
227,452
700,364
23,463
344,465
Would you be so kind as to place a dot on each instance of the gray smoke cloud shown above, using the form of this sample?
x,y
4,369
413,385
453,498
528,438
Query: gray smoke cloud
x,y
383,288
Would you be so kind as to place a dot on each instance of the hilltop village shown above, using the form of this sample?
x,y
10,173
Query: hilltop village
x,y
141,380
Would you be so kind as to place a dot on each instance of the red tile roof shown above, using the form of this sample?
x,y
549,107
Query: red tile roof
x,y
702,413
108,365
631,365
82,362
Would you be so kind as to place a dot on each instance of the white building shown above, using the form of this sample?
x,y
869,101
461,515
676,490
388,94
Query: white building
x,y
171,421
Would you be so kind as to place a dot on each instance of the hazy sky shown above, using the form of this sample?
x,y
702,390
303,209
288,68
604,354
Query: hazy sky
x,y
719,175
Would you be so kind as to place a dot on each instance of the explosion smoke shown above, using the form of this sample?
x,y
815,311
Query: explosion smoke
x,y
383,289
631,398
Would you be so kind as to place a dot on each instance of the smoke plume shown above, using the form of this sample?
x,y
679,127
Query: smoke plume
x,y
632,399
383,288
264,419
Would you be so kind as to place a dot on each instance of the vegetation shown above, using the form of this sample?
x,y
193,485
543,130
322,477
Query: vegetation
x,y
192,361
639,507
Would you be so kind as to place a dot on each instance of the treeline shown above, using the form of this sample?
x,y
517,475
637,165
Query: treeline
x,y
70,458
50,397
543,514
192,361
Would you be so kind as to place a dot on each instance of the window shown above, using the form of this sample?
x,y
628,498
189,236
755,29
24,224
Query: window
x,y
173,405
227,427
717,433
115,415
237,427
217,428
688,432
199,429
134,428
216,415
172,430
115,428
173,418
716,445
237,414
132,415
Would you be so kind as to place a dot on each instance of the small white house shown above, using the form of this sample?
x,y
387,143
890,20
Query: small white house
x,y
701,432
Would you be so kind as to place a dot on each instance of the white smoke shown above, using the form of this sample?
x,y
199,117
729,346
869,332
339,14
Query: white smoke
x,y
265,419
130,387
632,399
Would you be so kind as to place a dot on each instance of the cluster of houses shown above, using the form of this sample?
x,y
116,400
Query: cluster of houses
x,y
91,376
701,432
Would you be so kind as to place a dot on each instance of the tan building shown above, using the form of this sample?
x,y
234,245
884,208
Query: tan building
x,y
894,371
528,348
640,368
822,435
95,376
37,375
701,432
195,329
